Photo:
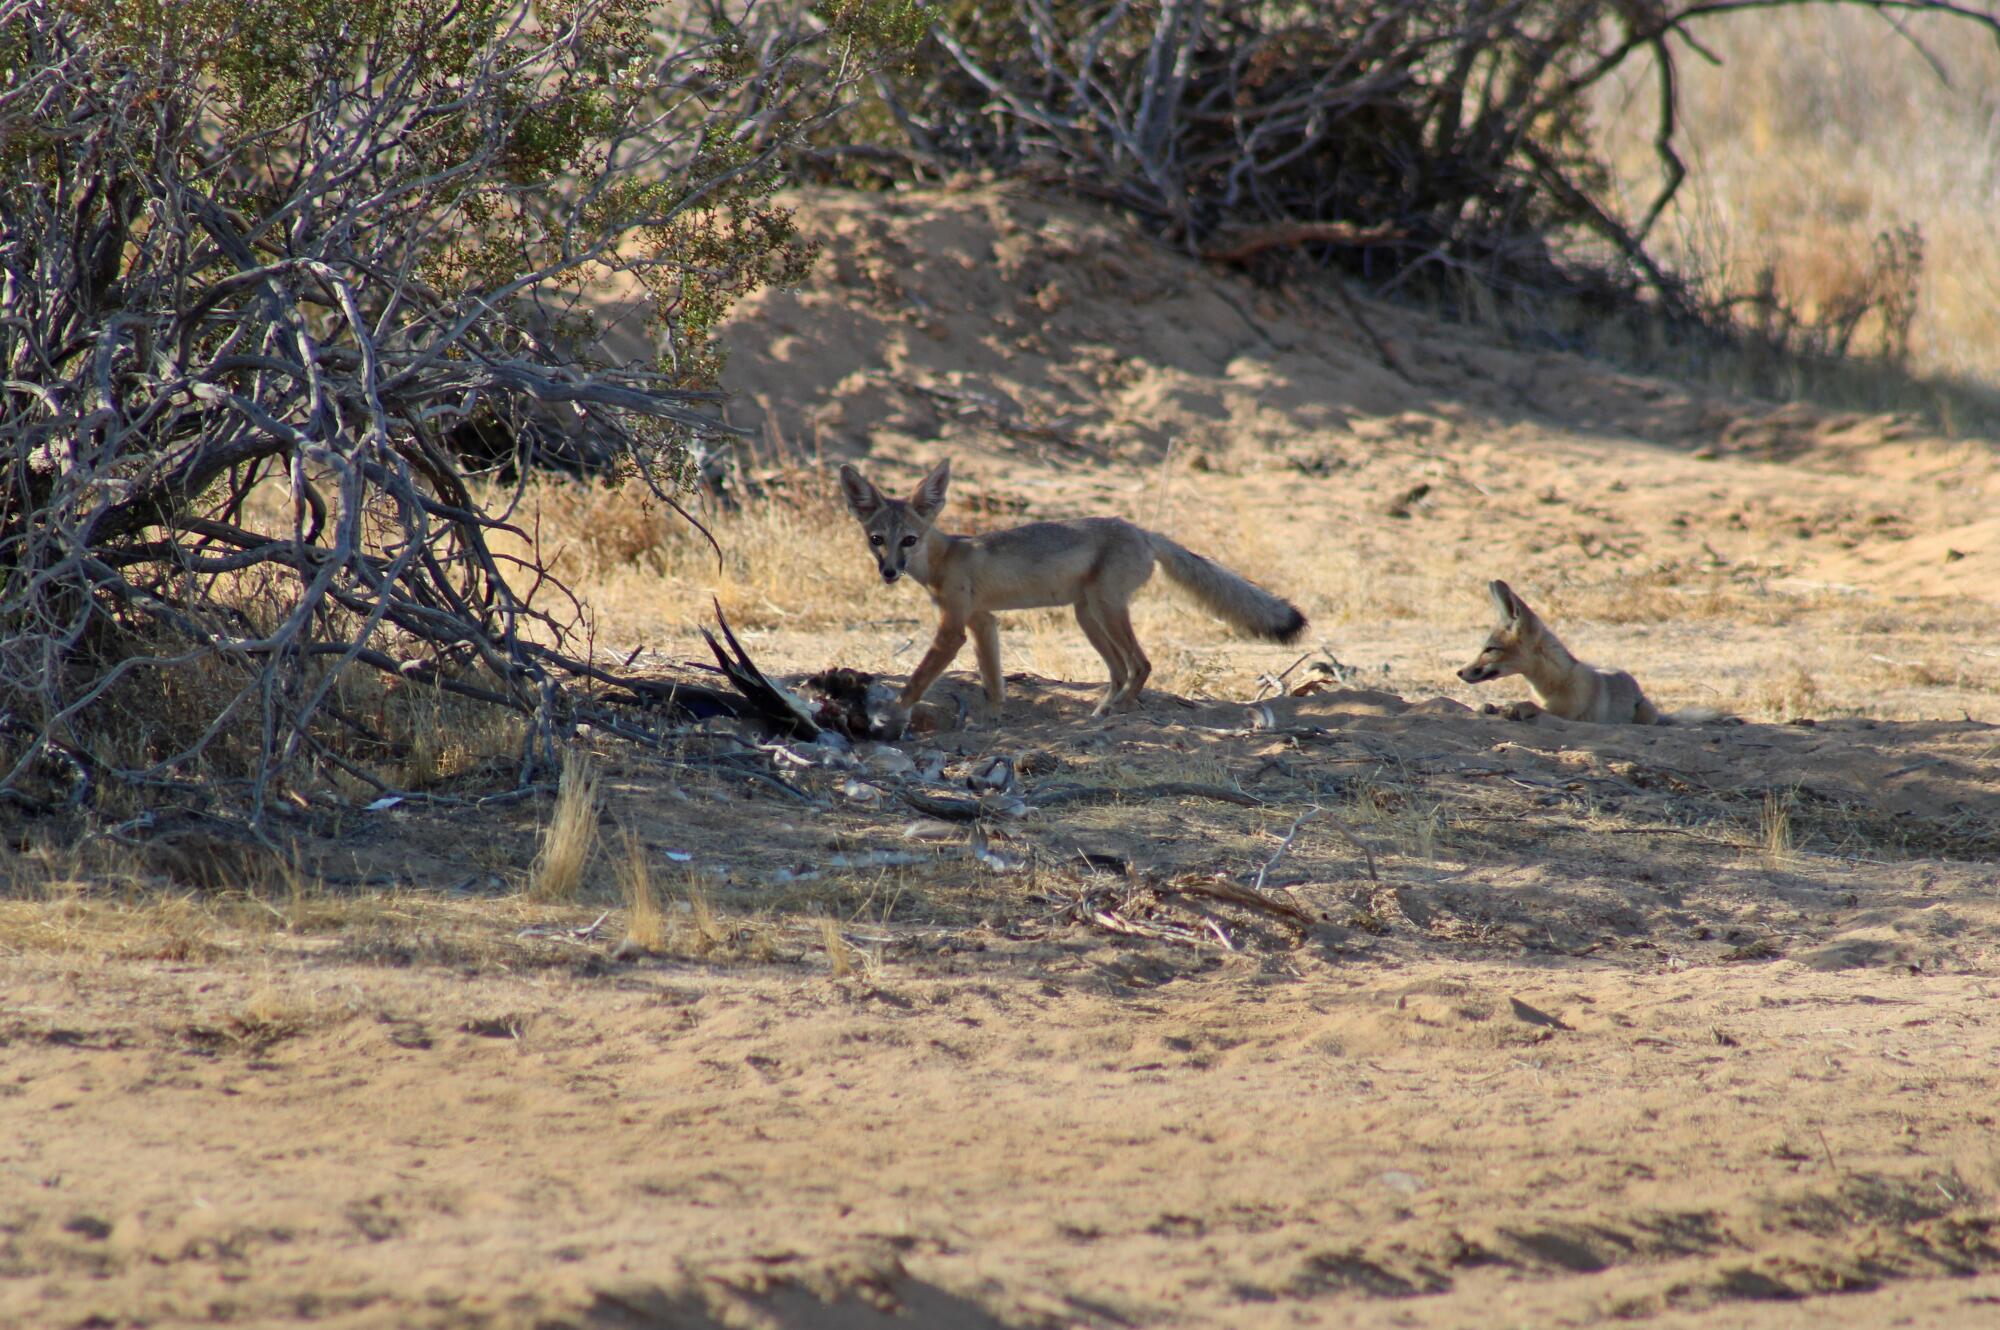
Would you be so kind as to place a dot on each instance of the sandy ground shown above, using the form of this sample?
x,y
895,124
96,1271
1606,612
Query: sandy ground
x,y
1354,1006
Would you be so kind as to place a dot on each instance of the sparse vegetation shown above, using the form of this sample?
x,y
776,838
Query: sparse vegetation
x,y
645,925
1775,830
569,842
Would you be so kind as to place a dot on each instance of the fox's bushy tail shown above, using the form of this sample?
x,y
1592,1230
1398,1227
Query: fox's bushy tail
x,y
1235,600
1695,716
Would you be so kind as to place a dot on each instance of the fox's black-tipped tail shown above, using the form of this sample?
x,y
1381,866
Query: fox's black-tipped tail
x,y
1230,597
1293,628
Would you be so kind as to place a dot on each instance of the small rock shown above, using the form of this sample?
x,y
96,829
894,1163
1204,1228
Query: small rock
x,y
1396,1180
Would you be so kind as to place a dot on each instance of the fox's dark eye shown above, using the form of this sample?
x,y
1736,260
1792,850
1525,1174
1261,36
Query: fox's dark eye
x,y
909,541
874,540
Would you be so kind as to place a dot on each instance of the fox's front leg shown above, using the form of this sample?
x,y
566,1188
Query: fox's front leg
x,y
1514,710
944,649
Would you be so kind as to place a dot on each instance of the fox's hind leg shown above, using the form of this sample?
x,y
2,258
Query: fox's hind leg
x,y
1100,637
1118,621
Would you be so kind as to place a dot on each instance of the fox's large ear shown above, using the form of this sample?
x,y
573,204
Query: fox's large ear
x,y
863,499
1504,600
928,497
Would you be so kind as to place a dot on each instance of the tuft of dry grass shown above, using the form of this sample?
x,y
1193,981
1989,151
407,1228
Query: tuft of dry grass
x,y
273,1014
1774,830
708,930
1792,691
837,960
792,557
645,925
570,839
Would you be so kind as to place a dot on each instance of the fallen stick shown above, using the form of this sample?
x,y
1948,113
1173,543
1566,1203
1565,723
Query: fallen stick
x,y
1221,889
1283,845
1172,789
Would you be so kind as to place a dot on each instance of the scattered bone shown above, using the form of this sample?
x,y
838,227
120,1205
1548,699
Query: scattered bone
x,y
558,933
860,791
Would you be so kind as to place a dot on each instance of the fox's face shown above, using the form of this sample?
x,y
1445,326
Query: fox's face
x,y
1507,645
1500,657
895,527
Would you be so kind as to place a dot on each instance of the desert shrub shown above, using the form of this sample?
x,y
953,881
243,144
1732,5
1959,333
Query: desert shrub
x,y
1425,144
263,262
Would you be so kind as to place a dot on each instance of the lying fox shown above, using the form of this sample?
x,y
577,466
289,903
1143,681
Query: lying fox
x,y
1567,687
1092,563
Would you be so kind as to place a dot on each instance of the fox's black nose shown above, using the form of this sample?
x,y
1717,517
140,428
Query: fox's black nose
x,y
1470,674
889,575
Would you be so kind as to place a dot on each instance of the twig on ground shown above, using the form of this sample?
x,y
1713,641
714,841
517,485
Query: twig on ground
x,y
1309,815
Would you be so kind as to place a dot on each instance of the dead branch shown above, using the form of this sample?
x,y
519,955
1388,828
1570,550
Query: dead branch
x,y
1442,141
1222,889
1237,246
254,282
1172,789
1310,815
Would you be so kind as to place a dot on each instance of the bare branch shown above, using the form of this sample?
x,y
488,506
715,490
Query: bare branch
x,y
252,280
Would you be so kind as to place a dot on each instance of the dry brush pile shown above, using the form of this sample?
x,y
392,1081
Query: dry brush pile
x,y
1428,144
268,270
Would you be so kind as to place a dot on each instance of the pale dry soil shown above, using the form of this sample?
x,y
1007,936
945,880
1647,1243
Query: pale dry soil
x,y
1529,1024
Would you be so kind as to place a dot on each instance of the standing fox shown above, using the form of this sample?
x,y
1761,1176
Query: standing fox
x,y
1567,687
1092,563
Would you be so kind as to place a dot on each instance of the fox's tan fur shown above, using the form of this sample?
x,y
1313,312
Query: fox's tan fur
x,y
1566,687
1095,564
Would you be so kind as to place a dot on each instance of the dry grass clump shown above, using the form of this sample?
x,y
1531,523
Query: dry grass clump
x,y
179,927
570,839
790,557
645,925
1395,815
686,925
177,718
176,899
704,933
271,1015
837,958
588,528
1774,830
429,736
1789,692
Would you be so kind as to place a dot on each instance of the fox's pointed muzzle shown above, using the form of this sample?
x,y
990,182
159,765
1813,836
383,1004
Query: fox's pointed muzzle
x,y
1473,673
889,576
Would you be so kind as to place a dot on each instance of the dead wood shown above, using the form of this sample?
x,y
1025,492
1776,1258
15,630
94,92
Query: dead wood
x,y
1239,246
250,296
1172,789
1442,143
1222,889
